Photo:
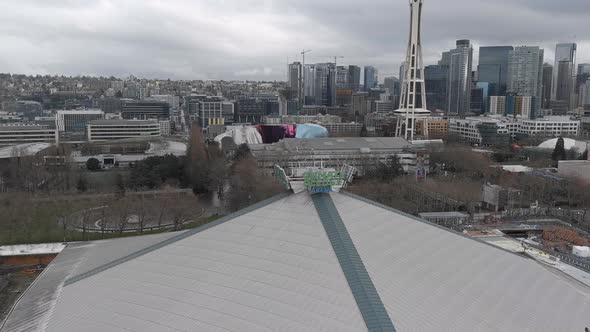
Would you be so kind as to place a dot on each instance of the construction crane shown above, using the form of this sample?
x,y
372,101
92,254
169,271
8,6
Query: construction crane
x,y
335,57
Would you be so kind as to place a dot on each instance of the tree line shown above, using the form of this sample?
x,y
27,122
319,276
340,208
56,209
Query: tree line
x,y
228,171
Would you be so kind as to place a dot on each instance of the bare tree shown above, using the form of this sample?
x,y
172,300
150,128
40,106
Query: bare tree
x,y
140,208
161,211
183,211
103,220
66,219
84,219
248,185
121,214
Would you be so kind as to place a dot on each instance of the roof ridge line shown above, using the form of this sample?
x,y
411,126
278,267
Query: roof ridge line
x,y
176,238
359,281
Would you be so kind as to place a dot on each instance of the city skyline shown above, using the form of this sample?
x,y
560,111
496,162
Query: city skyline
x,y
256,39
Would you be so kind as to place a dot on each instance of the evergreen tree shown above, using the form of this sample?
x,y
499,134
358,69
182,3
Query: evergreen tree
x,y
387,170
93,164
559,151
198,161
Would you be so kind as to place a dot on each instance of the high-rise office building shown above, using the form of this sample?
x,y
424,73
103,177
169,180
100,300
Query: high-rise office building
x,y
342,79
497,105
310,81
295,81
565,80
584,96
361,103
525,72
582,85
485,88
583,68
547,79
325,84
493,68
437,84
354,77
583,74
391,84
371,79
523,106
563,72
514,106
460,62
477,100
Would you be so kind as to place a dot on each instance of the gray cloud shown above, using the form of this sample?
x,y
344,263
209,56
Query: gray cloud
x,y
254,39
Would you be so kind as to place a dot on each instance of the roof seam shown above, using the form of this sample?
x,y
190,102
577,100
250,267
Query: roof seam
x,y
365,294
175,239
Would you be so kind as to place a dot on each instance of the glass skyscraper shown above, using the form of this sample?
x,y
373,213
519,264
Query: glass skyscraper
x,y
325,84
295,70
391,84
563,71
547,78
493,68
370,78
354,77
565,80
310,80
342,81
485,88
437,83
525,72
460,62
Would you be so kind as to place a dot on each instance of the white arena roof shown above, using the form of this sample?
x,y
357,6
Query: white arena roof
x,y
301,262
568,144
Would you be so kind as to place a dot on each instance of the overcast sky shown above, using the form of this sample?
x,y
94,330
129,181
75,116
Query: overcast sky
x,y
254,39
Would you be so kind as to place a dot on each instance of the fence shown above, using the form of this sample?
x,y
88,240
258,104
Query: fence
x,y
581,263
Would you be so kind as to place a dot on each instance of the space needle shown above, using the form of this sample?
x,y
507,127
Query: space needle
x,y
412,104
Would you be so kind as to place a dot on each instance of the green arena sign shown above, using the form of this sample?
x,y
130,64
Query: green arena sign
x,y
322,179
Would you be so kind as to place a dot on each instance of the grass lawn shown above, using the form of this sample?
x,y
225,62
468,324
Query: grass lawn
x,y
45,227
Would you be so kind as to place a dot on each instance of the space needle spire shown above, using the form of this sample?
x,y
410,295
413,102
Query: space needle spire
x,y
412,104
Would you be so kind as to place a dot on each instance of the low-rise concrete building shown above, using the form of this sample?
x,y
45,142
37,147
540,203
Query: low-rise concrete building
x,y
498,198
493,130
550,126
76,120
24,133
435,127
359,152
289,119
481,131
103,130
